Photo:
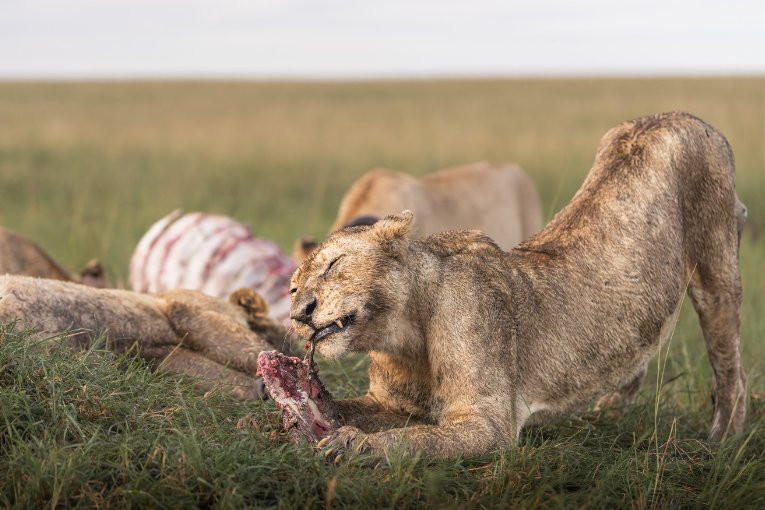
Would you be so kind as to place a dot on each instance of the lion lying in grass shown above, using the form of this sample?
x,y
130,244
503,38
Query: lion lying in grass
x,y
467,343
182,331
499,199
19,255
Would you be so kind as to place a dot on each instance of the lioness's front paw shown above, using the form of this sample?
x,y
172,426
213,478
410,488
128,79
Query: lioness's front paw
x,y
344,444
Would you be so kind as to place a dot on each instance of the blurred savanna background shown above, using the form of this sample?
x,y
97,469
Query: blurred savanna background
x,y
87,167
90,157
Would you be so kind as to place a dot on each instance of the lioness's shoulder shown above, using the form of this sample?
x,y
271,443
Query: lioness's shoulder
x,y
454,242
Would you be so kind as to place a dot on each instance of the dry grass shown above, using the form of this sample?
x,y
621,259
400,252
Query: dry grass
x,y
107,159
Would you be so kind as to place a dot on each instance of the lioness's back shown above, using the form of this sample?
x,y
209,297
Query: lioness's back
x,y
500,200
503,197
648,173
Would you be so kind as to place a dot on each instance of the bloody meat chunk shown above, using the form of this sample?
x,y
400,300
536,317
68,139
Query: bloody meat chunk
x,y
308,410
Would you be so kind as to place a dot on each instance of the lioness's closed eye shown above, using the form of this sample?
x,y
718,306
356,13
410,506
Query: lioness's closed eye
x,y
331,265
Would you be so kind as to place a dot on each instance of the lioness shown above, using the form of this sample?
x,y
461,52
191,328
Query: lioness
x,y
499,199
19,255
468,343
181,331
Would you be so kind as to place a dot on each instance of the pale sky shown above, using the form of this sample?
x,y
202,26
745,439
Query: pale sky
x,y
389,38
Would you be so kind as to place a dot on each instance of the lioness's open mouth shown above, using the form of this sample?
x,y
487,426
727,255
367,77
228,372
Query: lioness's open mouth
x,y
333,327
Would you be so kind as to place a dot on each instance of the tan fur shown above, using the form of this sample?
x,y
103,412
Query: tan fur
x,y
468,343
181,331
19,255
501,200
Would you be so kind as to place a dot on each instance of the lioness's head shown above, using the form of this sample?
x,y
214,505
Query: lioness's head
x,y
346,292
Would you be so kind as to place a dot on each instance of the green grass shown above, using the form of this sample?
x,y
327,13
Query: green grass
x,y
96,429
85,168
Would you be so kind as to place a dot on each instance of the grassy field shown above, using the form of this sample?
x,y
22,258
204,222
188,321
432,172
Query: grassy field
x,y
85,168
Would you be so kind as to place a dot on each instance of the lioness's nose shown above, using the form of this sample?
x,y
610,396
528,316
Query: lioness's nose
x,y
304,308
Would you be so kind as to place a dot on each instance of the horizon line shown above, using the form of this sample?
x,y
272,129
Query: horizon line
x,y
361,77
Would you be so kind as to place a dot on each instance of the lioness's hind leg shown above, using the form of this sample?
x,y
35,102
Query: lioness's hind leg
x,y
215,335
716,295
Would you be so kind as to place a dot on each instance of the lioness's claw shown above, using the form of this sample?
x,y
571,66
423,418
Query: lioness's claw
x,y
328,452
322,442
338,459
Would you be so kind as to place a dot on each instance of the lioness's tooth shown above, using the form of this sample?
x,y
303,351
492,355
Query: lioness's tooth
x,y
339,323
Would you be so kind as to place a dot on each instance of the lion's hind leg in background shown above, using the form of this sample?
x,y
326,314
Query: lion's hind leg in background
x,y
714,220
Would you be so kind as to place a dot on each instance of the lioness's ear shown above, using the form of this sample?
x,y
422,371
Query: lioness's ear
x,y
94,275
394,226
303,247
